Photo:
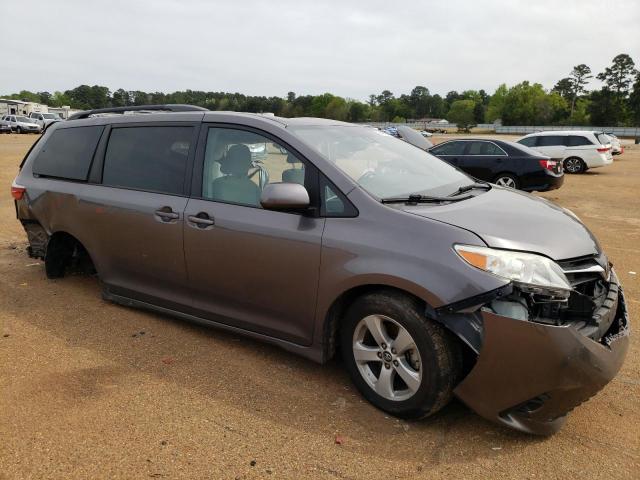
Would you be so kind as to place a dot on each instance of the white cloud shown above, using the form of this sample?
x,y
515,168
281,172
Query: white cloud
x,y
351,48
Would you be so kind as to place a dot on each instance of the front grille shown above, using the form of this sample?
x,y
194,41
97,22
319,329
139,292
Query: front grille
x,y
592,304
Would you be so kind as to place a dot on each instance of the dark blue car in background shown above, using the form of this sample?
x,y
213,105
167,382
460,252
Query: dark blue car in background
x,y
508,164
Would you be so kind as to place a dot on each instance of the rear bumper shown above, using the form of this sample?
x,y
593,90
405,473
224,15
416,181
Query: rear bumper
x,y
600,160
543,183
528,375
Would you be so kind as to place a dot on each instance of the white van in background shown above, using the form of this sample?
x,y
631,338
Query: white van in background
x,y
578,150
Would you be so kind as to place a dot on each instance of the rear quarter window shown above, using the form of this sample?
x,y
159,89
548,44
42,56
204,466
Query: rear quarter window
x,y
68,153
578,141
528,141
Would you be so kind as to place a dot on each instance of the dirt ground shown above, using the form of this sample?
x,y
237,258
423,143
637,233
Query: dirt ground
x,y
89,389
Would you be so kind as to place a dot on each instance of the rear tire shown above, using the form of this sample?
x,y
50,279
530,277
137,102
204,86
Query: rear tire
x,y
408,346
507,180
574,165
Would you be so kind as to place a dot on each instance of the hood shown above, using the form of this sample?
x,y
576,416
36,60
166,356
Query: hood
x,y
409,135
514,220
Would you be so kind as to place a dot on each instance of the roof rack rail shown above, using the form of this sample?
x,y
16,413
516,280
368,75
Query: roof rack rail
x,y
145,108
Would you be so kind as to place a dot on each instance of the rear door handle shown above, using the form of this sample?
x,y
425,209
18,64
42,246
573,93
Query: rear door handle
x,y
201,220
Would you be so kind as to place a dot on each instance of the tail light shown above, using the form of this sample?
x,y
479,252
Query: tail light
x,y
603,150
548,164
17,191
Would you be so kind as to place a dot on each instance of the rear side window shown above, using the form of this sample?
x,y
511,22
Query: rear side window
x,y
577,141
148,158
68,153
484,148
550,140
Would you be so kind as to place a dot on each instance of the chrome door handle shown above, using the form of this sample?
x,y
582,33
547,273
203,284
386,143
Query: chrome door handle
x,y
202,220
166,214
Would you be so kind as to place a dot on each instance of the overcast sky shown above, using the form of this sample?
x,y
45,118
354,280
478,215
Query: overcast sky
x,y
270,47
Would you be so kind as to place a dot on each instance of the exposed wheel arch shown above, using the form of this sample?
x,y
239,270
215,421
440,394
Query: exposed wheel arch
x,y
339,307
64,253
418,362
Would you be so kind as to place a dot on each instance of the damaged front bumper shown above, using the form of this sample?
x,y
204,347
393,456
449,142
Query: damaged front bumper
x,y
529,375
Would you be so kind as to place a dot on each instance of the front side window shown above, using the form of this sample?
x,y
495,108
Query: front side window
x,y
382,165
238,164
450,148
332,202
148,158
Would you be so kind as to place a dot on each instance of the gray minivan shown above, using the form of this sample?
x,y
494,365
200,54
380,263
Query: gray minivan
x,y
322,237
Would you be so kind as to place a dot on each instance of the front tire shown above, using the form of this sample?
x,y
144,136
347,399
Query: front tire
x,y
574,165
400,361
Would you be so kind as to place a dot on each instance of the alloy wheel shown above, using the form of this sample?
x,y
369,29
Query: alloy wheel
x,y
387,357
573,165
506,182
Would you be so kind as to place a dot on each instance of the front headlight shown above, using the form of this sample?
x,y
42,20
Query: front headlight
x,y
532,273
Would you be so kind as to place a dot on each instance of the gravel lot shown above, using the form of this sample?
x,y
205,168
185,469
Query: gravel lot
x,y
89,389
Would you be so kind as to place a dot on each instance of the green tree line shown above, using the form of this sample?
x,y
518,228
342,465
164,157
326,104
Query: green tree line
x,y
569,102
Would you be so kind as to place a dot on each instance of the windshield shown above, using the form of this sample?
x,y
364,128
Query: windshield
x,y
23,119
49,116
383,165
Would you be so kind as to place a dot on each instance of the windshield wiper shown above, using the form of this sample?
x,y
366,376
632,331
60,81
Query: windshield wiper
x,y
472,186
415,199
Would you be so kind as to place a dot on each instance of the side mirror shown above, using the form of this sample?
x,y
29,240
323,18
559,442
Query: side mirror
x,y
284,196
